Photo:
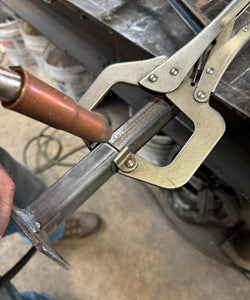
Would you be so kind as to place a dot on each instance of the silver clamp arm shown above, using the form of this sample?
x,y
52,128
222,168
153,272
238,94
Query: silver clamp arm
x,y
218,63
179,65
129,72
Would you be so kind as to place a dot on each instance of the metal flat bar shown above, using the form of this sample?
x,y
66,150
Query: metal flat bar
x,y
196,11
188,17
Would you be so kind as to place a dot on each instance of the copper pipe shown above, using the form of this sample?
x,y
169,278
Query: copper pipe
x,y
47,105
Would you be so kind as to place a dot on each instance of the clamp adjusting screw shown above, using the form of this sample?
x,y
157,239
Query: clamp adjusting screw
x,y
245,29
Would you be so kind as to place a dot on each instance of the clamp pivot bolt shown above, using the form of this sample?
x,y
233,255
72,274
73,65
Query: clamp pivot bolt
x,y
174,71
130,163
152,78
210,70
201,95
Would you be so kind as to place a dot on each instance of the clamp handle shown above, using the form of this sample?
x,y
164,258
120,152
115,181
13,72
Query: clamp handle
x,y
218,63
178,65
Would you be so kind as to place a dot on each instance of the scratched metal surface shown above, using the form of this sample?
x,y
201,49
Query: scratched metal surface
x,y
154,26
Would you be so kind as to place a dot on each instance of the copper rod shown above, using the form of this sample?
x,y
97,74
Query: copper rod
x,y
47,105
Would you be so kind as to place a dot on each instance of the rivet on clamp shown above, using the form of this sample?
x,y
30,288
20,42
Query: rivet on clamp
x,y
126,161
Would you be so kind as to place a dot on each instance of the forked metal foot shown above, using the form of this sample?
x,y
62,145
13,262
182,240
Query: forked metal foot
x,y
39,238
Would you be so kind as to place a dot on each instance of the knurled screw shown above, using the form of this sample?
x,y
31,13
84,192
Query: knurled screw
x,y
152,78
130,163
210,70
201,95
174,71
245,29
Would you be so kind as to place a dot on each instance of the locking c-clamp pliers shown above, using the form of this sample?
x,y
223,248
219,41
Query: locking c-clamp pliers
x,y
187,79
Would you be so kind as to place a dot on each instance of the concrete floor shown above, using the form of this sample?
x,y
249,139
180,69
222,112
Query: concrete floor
x,y
135,254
